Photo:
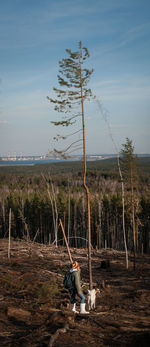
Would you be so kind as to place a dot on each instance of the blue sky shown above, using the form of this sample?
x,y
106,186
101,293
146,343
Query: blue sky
x,y
33,37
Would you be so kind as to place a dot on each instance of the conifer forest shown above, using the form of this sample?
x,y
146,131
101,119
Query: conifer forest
x,y
39,196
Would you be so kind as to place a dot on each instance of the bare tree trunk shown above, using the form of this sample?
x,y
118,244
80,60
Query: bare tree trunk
x,y
4,219
133,215
62,227
123,216
53,212
87,190
100,225
41,229
83,220
36,235
137,237
52,198
113,234
68,212
25,225
64,222
75,224
56,214
9,233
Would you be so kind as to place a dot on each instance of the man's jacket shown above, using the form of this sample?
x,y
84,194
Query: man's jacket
x,y
76,279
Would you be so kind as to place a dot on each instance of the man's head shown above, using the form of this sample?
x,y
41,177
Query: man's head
x,y
75,265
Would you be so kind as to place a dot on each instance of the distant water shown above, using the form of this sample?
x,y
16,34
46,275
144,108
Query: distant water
x,y
26,162
50,161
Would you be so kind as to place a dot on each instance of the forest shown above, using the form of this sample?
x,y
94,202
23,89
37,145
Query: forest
x,y
39,196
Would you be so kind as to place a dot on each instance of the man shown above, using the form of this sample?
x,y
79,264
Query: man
x,y
75,274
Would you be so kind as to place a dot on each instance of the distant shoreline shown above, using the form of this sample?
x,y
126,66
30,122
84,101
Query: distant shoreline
x,y
37,161
25,162
31,161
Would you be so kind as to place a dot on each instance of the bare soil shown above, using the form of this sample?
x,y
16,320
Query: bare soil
x,y
35,309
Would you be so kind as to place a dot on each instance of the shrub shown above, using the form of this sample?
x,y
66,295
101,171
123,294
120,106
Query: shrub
x,y
47,291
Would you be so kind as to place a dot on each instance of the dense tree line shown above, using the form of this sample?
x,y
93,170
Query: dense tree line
x,y
39,200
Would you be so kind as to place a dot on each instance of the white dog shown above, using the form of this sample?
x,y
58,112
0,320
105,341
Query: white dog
x,y
92,298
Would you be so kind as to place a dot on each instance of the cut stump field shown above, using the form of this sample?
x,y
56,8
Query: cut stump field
x,y
34,306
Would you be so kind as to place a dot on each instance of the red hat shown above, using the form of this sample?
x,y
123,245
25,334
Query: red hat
x,y
75,265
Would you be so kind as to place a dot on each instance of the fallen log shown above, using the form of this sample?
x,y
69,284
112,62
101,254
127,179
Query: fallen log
x,y
18,314
55,335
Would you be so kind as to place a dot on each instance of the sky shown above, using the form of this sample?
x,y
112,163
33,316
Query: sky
x,y
34,36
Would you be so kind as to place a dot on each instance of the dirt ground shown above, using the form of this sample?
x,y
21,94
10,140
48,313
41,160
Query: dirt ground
x,y
34,306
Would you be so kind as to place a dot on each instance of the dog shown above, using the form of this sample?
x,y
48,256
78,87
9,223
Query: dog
x,y
92,298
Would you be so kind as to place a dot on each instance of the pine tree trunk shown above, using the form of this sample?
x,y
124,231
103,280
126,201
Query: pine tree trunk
x,y
87,190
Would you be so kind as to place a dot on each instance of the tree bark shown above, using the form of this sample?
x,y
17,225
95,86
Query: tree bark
x,y
86,189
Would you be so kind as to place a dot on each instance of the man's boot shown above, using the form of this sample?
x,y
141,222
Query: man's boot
x,y
73,308
82,309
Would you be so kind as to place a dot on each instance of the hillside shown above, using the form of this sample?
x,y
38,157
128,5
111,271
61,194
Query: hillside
x,y
34,306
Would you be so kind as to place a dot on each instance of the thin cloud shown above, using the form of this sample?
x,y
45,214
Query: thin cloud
x,y
2,121
123,89
135,33
118,126
49,19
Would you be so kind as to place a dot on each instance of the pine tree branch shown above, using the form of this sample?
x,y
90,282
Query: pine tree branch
x,y
75,149
60,137
72,144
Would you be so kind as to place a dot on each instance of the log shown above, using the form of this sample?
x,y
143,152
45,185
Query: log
x,y
18,314
55,335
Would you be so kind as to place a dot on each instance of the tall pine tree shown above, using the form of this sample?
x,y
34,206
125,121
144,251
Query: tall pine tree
x,y
73,79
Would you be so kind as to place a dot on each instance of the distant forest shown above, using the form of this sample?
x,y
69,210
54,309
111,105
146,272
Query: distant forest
x,y
38,196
